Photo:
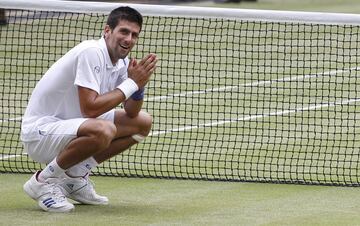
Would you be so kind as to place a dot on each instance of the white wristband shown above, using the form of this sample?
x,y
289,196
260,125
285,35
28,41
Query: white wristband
x,y
128,87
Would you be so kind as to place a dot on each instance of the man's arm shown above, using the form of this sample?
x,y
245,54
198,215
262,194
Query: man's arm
x,y
93,104
133,107
146,66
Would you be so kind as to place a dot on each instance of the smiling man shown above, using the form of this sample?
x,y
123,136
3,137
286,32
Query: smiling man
x,y
71,123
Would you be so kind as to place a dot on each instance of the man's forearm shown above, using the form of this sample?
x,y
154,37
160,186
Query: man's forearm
x,y
133,107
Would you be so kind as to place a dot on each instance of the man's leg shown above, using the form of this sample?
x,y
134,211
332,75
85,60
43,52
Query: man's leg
x,y
129,131
62,144
94,135
54,138
126,129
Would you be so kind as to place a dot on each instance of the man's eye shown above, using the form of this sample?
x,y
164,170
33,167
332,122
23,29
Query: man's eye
x,y
135,35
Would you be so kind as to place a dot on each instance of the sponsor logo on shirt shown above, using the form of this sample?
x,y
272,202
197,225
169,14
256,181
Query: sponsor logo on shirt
x,y
97,69
88,166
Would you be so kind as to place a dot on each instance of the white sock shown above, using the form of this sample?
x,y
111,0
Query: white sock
x,y
51,170
82,168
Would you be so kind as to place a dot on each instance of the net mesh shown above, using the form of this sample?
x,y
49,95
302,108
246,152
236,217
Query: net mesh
x,y
233,100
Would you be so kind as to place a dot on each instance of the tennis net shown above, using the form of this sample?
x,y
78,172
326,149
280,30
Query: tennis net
x,y
239,95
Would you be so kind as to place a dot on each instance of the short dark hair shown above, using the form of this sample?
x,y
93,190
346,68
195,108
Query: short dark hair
x,y
124,13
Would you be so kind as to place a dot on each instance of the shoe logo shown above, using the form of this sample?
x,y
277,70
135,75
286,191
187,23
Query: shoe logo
x,y
88,166
48,202
51,168
71,186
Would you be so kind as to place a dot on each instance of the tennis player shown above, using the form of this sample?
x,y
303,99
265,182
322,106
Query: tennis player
x,y
71,124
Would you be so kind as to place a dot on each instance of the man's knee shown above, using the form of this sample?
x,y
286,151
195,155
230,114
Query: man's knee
x,y
102,131
105,132
144,126
145,122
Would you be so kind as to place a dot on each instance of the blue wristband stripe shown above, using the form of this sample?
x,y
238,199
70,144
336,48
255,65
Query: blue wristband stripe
x,y
138,95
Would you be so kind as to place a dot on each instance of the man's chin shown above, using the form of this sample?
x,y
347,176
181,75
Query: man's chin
x,y
123,56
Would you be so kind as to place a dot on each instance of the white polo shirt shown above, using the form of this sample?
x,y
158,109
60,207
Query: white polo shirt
x,y
55,96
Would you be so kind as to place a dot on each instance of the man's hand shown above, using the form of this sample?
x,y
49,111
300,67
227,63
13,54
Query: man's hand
x,y
141,71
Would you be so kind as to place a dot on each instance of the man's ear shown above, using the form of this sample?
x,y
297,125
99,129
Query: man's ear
x,y
107,31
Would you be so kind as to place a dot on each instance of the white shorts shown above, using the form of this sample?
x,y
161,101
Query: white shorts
x,y
54,136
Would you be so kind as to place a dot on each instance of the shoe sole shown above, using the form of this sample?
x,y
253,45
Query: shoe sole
x,y
87,202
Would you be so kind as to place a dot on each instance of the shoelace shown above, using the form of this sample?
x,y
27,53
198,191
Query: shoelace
x,y
56,192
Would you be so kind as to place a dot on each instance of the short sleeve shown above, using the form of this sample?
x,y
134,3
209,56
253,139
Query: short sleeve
x,y
89,69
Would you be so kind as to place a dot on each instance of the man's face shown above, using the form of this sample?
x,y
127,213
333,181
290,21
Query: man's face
x,y
121,39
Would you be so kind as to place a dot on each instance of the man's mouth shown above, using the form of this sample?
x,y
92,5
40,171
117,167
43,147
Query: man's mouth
x,y
124,47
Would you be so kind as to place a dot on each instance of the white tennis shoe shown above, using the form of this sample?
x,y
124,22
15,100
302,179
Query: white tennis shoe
x,y
48,194
81,189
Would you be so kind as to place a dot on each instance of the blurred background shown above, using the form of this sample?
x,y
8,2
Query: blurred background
x,y
185,1
336,6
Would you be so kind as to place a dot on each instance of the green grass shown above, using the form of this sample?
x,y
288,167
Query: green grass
x,y
184,202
